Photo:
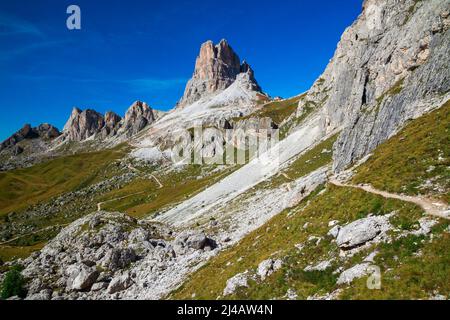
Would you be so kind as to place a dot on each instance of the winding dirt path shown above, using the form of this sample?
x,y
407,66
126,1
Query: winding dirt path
x,y
152,176
160,185
432,207
99,205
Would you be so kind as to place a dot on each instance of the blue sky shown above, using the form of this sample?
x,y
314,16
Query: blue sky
x,y
146,49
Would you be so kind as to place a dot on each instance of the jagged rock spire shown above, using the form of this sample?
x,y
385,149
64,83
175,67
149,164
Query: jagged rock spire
x,y
216,68
83,124
138,116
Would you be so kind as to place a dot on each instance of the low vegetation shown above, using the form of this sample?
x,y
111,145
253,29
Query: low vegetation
x,y
24,187
412,265
147,197
416,160
278,111
8,253
277,239
13,284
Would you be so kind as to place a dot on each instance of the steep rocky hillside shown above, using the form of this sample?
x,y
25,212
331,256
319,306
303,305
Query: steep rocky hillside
x,y
327,246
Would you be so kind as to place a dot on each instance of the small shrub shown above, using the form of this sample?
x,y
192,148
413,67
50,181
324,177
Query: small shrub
x,y
13,284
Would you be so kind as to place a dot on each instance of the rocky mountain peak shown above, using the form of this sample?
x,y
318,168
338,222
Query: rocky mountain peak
x,y
138,116
216,68
247,69
112,119
83,124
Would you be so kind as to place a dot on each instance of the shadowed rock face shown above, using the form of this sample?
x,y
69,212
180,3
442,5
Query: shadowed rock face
x,y
216,68
83,124
138,116
45,131
112,124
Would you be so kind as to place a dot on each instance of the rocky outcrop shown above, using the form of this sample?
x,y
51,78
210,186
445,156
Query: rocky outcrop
x,y
238,281
137,117
44,131
216,68
360,231
390,66
83,124
267,267
107,255
112,124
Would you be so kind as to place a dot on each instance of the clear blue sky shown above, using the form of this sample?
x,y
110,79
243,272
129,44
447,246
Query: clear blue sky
x,y
146,49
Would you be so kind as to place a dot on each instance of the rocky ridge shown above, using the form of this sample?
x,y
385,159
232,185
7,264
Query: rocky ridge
x,y
89,123
44,131
27,146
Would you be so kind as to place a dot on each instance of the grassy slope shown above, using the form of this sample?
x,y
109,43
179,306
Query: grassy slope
x,y
419,152
279,236
11,252
24,187
404,273
177,186
278,111
311,160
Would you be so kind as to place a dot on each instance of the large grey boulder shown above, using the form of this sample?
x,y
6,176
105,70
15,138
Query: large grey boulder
x,y
238,281
193,240
321,266
42,295
267,267
118,258
84,279
120,283
355,272
360,231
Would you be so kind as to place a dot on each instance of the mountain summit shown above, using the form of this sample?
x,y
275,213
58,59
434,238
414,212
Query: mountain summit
x,y
216,68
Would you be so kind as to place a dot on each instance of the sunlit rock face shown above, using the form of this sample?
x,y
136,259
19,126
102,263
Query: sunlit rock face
x,y
216,68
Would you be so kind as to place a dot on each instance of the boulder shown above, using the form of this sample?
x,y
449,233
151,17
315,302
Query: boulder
x,y
321,266
120,283
353,273
118,258
238,281
98,286
267,267
84,279
360,231
334,231
197,241
42,295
